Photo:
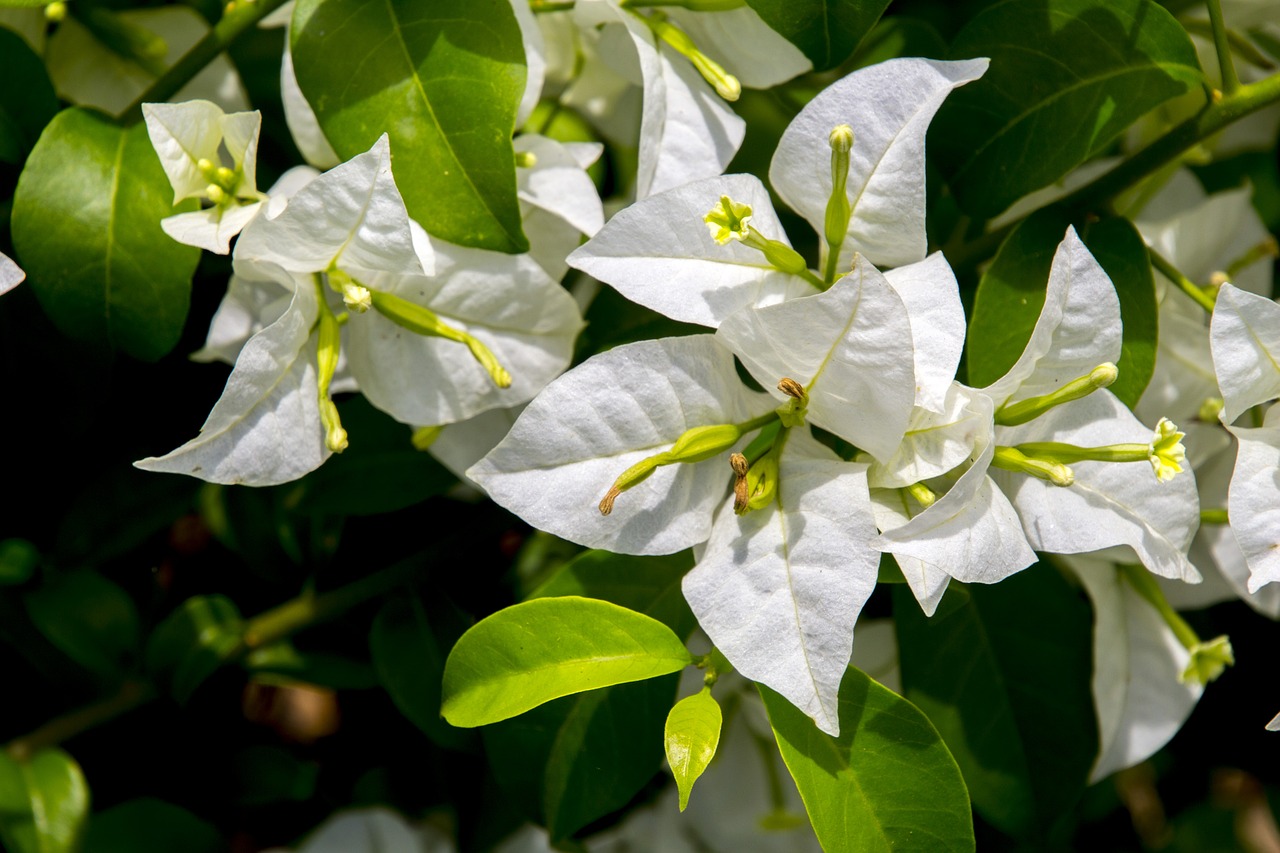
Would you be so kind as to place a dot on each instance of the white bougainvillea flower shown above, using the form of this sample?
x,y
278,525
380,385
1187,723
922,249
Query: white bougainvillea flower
x,y
1245,338
188,138
559,203
11,275
659,253
425,348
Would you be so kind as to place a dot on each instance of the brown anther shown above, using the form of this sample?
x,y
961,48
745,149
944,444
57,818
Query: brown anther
x,y
792,388
606,502
740,466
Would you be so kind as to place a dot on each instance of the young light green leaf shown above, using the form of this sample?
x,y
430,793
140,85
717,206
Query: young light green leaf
x,y
44,801
1035,117
692,735
540,650
453,75
887,783
827,31
86,224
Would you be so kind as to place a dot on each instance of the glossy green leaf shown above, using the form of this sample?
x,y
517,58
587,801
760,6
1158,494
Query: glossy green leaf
x,y
826,31
887,783
1066,77
692,734
90,619
1004,672
27,101
407,642
150,826
578,758
43,803
86,226
18,561
648,585
546,648
193,641
451,75
1011,294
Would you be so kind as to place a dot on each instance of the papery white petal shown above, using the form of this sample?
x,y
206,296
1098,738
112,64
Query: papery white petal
x,y
744,44
287,187
936,443
658,253
182,135
1110,503
928,583
248,307
1245,336
1207,238
602,417
304,127
461,445
1183,377
240,136
778,589
265,428
11,275
1254,500
1137,660
351,216
932,296
534,63
558,200
373,830
851,349
506,301
1078,328
889,106
212,228
603,96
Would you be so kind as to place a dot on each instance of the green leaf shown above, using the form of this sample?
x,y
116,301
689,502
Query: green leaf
x,y
1004,672
18,561
1011,294
543,649
648,585
1066,77
267,774
826,31
149,826
43,803
407,642
887,783
119,510
90,619
898,36
443,79
86,225
27,101
193,641
692,734
281,663
578,758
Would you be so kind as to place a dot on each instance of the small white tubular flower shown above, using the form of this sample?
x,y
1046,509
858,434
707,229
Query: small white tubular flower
x,y
558,200
1138,694
11,275
604,416
1166,451
778,589
889,106
850,348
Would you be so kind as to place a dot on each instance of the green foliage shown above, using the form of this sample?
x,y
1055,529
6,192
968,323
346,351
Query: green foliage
x,y
90,619
826,31
18,561
1033,117
43,803
86,224
1004,672
546,648
452,75
1011,294
854,786
282,663
27,101
149,826
692,734
192,642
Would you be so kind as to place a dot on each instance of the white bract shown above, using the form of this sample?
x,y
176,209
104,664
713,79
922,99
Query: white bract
x,y
11,275
658,252
559,203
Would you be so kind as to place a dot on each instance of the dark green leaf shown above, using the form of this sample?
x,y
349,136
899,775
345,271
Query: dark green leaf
x,y
1011,294
1004,672
43,803
119,510
853,786
826,31
151,826
539,650
27,101
90,619
193,641
407,642
648,585
443,79
900,36
268,774
1066,77
281,663
18,561
578,758
86,226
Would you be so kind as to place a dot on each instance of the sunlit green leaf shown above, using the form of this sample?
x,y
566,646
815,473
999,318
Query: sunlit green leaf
x,y
43,803
193,641
86,226
692,735
546,648
826,31
451,75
